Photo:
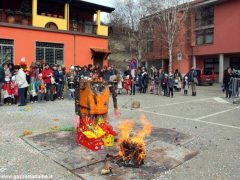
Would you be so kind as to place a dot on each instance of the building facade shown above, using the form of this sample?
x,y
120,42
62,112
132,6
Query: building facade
x,y
57,31
210,38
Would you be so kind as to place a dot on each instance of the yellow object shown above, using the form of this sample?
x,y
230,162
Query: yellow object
x,y
108,140
101,29
96,134
27,132
41,21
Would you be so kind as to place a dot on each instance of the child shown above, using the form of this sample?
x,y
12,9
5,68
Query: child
x,y
152,86
71,86
42,87
7,91
119,83
185,84
128,84
33,90
15,89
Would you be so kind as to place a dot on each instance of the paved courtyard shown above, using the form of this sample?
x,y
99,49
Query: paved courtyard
x,y
212,121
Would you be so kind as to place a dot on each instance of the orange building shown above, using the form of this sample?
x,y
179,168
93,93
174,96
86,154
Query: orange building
x,y
210,38
57,31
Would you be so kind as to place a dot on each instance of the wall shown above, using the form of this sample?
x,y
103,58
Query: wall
x,y
226,30
41,21
25,44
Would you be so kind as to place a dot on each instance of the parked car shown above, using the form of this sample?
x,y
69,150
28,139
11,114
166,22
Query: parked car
x,y
205,76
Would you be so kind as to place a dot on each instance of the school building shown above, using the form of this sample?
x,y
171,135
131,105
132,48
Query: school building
x,y
210,38
67,32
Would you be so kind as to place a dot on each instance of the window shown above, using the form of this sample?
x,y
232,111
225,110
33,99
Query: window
x,y
235,62
212,63
149,46
205,16
52,53
205,36
6,51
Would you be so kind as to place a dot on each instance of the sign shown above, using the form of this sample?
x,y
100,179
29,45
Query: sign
x,y
134,64
179,56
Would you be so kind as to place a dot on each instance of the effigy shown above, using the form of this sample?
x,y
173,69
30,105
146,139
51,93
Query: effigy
x,y
91,106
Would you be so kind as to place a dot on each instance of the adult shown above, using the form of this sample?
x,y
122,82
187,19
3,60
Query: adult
x,y
107,73
7,71
47,75
2,78
22,84
84,73
127,72
144,79
60,82
178,80
193,80
226,81
158,81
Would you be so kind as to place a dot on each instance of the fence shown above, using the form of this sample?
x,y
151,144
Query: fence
x,y
235,87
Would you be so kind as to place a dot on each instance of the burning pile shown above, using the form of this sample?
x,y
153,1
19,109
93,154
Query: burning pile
x,y
132,146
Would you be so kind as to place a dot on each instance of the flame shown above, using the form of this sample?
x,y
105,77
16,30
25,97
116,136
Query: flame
x,y
133,141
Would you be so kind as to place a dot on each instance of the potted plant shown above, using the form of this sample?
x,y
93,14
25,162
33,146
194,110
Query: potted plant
x,y
10,16
26,10
25,20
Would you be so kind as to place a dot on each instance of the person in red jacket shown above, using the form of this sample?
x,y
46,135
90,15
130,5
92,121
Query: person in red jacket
x,y
47,75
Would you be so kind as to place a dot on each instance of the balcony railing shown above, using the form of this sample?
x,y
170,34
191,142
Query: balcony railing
x,y
15,17
83,27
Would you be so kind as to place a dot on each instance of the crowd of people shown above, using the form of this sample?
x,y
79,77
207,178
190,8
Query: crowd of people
x,y
159,82
40,82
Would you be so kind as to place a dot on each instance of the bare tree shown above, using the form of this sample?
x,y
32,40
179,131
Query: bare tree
x,y
128,14
170,17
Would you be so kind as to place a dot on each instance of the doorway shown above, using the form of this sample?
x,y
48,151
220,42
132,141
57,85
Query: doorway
x,y
98,60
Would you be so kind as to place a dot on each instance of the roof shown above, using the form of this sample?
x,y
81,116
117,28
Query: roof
x,y
87,5
91,6
193,4
198,3
104,51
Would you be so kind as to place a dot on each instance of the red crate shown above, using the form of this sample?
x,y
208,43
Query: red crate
x,y
93,144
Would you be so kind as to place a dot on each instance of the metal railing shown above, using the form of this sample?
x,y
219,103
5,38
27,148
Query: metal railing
x,y
235,88
84,27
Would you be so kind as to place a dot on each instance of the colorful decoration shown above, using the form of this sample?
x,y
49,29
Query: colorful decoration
x,y
93,129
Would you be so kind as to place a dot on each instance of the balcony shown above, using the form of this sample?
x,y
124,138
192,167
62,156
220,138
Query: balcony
x,y
76,16
83,27
15,17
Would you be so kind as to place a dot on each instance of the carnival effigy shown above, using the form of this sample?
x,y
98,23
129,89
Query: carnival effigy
x,y
91,106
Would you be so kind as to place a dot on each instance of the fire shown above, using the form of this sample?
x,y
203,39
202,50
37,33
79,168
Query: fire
x,y
132,145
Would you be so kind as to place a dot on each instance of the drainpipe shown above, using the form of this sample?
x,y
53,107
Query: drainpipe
x,y
74,60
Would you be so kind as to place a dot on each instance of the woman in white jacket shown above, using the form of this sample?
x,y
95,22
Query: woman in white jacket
x,y
22,84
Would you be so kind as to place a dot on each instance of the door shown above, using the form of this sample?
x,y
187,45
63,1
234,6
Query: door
x,y
98,60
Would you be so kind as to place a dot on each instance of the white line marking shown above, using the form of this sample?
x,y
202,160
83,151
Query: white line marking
x,y
196,100
217,113
220,100
196,120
